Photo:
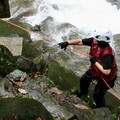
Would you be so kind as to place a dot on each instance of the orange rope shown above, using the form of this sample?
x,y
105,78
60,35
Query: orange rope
x,y
45,38
26,30
115,94
77,51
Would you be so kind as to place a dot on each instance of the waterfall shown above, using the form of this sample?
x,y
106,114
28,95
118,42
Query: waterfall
x,y
86,15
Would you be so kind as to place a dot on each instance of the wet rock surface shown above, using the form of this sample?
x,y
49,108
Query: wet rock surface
x,y
59,103
51,85
53,73
115,2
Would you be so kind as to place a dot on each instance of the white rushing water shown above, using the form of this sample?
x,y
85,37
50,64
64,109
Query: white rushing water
x,y
84,14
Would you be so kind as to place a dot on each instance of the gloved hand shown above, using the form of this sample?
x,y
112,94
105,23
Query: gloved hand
x,y
92,60
63,45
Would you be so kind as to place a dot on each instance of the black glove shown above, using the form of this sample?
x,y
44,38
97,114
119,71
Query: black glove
x,y
92,60
63,45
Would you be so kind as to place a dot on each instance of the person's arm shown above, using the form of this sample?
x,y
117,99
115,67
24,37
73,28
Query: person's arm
x,y
100,67
75,42
106,64
87,41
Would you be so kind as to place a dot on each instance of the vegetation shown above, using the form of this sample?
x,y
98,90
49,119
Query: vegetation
x,y
24,108
57,75
7,30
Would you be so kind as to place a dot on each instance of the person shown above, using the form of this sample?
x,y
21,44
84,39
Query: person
x,y
103,65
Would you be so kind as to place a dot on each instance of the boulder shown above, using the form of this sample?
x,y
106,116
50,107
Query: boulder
x,y
62,76
23,108
7,61
24,64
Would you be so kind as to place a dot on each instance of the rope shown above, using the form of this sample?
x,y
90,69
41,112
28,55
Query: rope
x,y
49,40
26,30
115,94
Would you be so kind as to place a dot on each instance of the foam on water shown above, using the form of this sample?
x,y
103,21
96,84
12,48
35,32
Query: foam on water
x,y
87,15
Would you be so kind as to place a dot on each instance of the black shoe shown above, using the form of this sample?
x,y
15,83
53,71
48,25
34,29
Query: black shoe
x,y
93,106
78,93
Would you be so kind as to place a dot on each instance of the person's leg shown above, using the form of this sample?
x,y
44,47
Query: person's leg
x,y
85,81
98,96
100,91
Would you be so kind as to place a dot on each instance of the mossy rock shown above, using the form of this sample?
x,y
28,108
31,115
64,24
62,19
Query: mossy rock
x,y
8,30
24,64
38,44
4,52
23,108
111,101
7,61
63,77
39,64
18,4
29,51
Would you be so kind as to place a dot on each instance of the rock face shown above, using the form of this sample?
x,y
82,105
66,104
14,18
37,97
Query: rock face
x,y
51,85
14,44
56,103
21,109
65,31
52,74
115,2
4,9
117,51
6,60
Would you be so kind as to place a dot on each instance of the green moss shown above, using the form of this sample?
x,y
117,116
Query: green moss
x,y
62,77
27,109
7,30
50,83
22,3
113,103
29,51
39,64
7,61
